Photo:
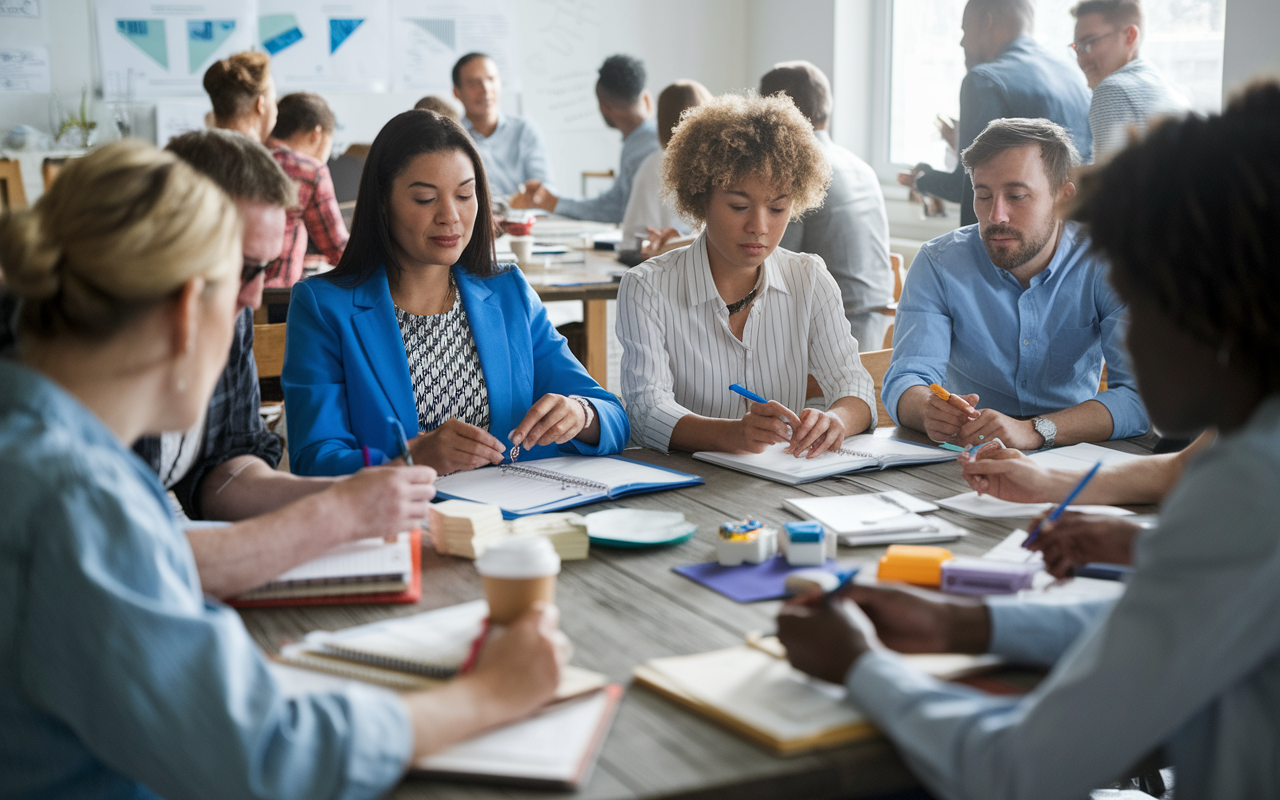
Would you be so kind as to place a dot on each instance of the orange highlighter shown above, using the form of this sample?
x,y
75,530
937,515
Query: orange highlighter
x,y
953,399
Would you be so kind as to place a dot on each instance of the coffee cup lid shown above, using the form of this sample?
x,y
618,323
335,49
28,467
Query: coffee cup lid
x,y
524,557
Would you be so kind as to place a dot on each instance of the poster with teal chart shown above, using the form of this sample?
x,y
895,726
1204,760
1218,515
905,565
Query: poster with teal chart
x,y
319,47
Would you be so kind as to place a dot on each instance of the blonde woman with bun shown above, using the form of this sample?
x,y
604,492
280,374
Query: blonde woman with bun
x,y
117,677
243,94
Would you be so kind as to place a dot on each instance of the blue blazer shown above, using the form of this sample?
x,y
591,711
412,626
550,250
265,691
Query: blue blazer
x,y
345,370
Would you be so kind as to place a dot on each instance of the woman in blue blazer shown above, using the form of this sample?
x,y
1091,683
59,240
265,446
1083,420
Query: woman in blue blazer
x,y
419,323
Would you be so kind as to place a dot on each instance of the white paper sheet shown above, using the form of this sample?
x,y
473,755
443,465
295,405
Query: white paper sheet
x,y
338,47
976,505
25,69
428,36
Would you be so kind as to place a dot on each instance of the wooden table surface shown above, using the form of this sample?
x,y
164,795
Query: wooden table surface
x,y
622,607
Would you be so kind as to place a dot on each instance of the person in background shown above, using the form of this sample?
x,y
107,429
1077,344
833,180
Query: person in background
x,y
439,105
117,677
420,323
735,308
648,212
1009,75
1015,311
512,147
243,94
625,105
1127,90
301,143
851,229
1186,663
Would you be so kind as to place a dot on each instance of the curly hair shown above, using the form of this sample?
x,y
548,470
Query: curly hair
x,y
734,137
1188,217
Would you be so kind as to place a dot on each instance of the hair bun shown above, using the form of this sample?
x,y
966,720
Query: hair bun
x,y
29,260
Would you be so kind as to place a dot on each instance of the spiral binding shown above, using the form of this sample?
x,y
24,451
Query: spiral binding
x,y
844,451
394,663
554,477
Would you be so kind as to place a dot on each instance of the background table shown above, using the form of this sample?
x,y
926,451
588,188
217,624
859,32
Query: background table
x,y
622,607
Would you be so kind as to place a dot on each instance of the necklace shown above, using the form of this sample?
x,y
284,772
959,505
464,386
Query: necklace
x,y
734,308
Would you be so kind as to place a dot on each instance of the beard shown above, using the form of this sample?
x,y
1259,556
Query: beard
x,y
1027,247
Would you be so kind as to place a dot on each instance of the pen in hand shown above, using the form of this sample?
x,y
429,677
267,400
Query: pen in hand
x,y
401,440
1057,512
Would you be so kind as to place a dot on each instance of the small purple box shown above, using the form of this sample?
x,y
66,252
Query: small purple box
x,y
985,576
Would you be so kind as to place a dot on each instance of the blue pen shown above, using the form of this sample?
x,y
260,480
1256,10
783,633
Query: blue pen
x,y
846,577
400,438
1057,512
747,393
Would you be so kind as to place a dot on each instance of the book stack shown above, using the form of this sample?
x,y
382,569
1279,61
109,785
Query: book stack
x,y
462,528
365,571
566,530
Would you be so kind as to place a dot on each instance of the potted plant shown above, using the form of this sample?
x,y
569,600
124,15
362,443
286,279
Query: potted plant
x,y
80,122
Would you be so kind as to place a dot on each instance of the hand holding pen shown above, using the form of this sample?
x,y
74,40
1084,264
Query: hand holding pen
x,y
1057,512
946,412
767,422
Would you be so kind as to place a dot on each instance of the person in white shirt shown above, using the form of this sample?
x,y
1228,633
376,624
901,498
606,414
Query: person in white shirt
x,y
648,212
1186,663
733,308
1127,90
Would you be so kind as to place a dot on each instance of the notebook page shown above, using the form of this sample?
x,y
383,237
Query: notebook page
x,y
764,692
890,452
358,559
440,638
512,491
549,746
610,471
984,505
1080,457
774,461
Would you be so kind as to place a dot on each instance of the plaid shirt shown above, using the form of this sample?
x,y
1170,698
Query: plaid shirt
x,y
316,216
232,427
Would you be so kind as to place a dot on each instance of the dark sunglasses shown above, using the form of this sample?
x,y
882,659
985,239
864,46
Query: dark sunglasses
x,y
252,269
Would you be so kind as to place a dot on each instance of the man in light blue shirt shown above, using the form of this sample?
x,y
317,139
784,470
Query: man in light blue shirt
x,y
1013,315
627,106
512,147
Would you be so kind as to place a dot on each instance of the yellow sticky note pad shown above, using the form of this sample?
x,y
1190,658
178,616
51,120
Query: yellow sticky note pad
x,y
913,563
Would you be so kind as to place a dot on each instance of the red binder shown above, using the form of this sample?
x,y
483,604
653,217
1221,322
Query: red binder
x,y
410,595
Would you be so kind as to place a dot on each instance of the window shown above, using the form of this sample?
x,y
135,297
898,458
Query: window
x,y
1183,38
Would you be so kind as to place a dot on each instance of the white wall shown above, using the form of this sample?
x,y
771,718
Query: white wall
x,y
1252,45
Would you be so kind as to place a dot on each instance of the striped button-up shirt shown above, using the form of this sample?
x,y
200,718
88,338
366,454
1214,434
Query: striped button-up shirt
x,y
1130,96
679,355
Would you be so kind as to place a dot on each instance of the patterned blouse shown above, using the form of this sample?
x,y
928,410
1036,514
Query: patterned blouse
x,y
444,366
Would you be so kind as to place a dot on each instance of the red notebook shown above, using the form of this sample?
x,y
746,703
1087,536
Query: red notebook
x,y
367,571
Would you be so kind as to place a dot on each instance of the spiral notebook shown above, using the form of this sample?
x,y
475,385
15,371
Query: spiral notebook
x,y
862,453
364,571
553,484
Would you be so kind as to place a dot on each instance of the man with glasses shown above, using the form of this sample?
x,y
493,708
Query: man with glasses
x,y
1009,76
1127,90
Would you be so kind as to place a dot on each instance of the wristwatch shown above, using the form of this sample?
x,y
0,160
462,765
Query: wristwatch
x,y
588,408
1045,428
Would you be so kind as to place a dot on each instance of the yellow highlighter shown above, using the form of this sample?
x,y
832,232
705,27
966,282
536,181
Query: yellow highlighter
x,y
953,399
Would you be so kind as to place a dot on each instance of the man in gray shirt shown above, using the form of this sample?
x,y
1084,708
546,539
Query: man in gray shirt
x,y
1127,90
627,106
512,147
851,230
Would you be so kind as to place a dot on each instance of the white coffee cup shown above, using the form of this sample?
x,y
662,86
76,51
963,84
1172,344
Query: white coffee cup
x,y
522,246
516,573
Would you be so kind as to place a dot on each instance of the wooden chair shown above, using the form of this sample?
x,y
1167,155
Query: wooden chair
x,y
587,175
268,349
876,362
12,195
895,262
49,170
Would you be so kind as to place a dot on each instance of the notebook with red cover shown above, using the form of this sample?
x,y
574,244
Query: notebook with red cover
x,y
365,571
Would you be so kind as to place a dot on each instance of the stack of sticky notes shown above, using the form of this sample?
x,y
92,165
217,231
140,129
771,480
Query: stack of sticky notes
x,y
462,528
566,530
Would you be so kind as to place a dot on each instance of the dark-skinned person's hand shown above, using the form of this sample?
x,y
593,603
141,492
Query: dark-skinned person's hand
x,y
1077,539
825,636
914,620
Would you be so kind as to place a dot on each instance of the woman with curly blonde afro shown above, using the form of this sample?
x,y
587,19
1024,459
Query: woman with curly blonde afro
x,y
733,308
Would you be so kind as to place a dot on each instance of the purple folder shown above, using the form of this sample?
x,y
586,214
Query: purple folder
x,y
748,583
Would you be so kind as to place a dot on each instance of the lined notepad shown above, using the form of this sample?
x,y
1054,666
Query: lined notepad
x,y
864,452
875,518
365,567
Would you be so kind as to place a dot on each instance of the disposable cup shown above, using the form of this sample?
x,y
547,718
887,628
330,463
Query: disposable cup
x,y
516,573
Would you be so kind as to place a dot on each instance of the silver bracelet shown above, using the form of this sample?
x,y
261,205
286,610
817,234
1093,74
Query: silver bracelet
x,y
586,407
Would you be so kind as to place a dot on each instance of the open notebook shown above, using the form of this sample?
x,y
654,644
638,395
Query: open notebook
x,y
553,484
875,518
555,748
752,690
364,571
862,453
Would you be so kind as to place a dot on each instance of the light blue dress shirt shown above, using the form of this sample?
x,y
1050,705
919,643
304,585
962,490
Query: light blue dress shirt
x,y
1188,659
118,679
612,204
967,324
512,154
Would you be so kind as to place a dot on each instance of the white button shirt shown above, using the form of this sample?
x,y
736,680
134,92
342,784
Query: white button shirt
x,y
679,355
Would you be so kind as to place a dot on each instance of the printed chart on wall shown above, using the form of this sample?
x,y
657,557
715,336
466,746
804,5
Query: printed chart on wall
x,y
428,36
561,56
162,49
326,46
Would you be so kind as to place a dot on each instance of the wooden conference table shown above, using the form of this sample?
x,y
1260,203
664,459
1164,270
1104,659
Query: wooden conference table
x,y
622,607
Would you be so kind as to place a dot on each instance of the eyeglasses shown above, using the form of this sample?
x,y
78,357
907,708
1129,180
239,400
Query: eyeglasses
x,y
1085,46
252,269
